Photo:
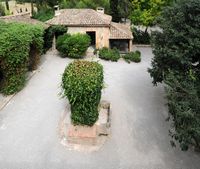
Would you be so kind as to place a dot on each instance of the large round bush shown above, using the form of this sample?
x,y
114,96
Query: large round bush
x,y
82,83
73,46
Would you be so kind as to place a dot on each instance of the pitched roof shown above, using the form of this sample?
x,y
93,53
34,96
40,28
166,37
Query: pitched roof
x,y
80,17
22,18
120,31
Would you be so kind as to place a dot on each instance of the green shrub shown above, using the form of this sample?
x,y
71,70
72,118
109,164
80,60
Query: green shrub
x,y
109,54
55,30
133,57
141,37
73,46
43,14
82,83
16,41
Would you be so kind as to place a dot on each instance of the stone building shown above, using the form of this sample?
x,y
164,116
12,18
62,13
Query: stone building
x,y
99,26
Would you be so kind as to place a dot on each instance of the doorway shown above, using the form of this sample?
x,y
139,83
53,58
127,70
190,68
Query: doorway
x,y
92,35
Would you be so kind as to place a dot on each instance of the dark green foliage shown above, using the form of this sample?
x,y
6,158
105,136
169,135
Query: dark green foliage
x,y
55,30
179,42
73,46
177,63
124,8
16,41
184,106
114,10
141,37
109,54
133,57
43,14
82,83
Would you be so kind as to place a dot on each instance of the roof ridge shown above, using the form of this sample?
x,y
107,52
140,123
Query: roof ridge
x,y
85,17
100,16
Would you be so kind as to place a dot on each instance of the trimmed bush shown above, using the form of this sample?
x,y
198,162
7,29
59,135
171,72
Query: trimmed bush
x,y
73,46
133,57
82,83
109,54
141,37
16,41
55,30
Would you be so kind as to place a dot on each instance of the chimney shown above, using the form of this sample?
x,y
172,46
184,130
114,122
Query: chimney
x,y
57,10
100,10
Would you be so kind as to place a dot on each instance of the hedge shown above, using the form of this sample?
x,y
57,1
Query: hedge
x,y
73,46
133,57
109,54
16,55
82,83
54,30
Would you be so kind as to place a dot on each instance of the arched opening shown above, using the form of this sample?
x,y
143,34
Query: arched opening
x,y
34,57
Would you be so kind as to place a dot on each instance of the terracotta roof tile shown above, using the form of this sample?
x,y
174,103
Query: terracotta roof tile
x,y
22,18
120,31
81,17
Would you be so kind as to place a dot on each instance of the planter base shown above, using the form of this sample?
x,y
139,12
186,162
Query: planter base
x,y
83,138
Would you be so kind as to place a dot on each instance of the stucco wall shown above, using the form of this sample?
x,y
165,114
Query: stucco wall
x,y
102,34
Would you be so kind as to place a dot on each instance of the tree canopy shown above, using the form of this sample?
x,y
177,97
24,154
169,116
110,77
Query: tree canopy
x,y
146,11
177,64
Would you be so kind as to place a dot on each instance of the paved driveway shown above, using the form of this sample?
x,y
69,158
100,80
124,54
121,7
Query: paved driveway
x,y
29,123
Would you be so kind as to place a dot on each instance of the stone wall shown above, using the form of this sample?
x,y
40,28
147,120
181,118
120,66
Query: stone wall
x,y
102,34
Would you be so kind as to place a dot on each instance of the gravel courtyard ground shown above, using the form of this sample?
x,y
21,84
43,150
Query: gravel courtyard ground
x,y
29,123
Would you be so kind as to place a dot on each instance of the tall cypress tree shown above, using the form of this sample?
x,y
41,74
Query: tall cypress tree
x,y
114,10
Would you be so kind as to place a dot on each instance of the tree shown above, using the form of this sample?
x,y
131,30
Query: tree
x,y
124,9
114,10
177,64
146,11
93,4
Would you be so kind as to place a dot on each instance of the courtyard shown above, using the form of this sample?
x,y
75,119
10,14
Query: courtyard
x,y
139,138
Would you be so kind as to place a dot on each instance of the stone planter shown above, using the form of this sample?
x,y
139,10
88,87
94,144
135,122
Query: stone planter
x,y
84,138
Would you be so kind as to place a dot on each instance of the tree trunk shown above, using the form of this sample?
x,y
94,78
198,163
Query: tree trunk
x,y
7,5
146,30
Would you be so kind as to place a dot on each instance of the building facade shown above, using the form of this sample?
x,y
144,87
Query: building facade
x,y
99,26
